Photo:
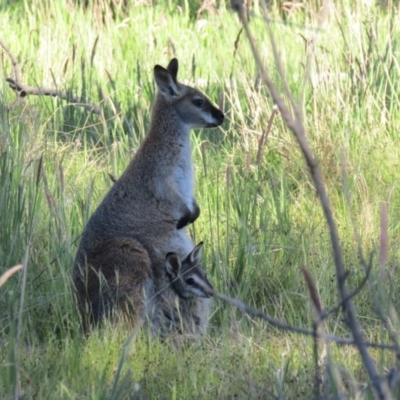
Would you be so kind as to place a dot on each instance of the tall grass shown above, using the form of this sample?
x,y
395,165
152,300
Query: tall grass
x,y
260,221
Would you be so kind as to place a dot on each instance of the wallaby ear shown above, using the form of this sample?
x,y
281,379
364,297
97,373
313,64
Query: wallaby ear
x,y
173,68
172,264
165,82
195,255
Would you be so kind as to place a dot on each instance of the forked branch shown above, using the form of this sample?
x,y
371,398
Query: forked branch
x,y
296,126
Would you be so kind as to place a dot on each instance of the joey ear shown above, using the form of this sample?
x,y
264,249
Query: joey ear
x,y
195,255
172,264
165,82
173,68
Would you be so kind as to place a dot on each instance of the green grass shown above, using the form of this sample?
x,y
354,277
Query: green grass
x,y
260,222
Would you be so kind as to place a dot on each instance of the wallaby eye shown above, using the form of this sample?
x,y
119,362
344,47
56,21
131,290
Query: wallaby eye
x,y
190,281
198,102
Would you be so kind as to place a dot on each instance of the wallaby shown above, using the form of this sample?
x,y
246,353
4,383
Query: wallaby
x,y
185,297
128,292
151,203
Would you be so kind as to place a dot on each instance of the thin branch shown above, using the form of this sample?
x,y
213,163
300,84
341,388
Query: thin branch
x,y
292,328
297,128
24,90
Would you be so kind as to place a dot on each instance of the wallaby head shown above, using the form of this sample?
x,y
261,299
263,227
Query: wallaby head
x,y
193,108
187,277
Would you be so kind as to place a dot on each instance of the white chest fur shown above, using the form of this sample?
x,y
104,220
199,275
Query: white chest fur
x,y
183,174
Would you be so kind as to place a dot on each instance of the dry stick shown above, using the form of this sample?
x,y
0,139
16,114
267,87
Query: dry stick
x,y
297,128
285,326
24,90
292,328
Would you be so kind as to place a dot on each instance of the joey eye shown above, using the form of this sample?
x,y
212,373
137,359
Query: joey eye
x,y
190,281
198,102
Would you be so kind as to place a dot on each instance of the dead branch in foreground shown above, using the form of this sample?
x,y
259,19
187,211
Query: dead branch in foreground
x,y
296,126
23,90
296,329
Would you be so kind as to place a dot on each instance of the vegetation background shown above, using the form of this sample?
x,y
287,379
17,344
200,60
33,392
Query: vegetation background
x,y
260,221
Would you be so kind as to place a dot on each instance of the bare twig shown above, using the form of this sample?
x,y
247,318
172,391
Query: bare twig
x,y
295,124
296,329
23,90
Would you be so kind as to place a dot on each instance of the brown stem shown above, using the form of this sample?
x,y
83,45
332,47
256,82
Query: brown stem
x,y
295,124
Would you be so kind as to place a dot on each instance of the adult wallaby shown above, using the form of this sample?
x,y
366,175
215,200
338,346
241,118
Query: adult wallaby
x,y
185,298
153,200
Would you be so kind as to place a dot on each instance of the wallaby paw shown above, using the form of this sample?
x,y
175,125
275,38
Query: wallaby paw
x,y
184,220
188,216
195,213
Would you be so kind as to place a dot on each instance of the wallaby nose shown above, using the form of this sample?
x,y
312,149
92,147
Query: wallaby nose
x,y
220,115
